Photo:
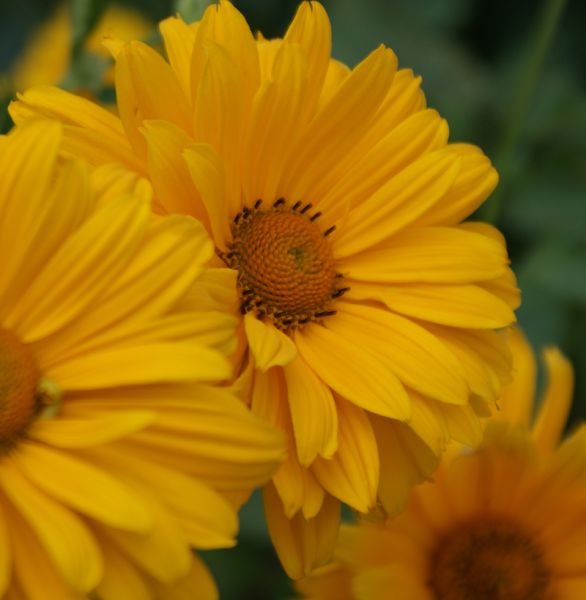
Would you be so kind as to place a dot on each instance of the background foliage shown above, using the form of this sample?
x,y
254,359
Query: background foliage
x,y
510,77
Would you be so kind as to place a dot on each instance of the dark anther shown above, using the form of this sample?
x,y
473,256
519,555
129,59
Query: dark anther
x,y
338,275
257,203
329,230
229,254
237,218
296,205
287,322
247,292
306,208
244,308
325,313
316,216
278,202
340,292
245,212
304,320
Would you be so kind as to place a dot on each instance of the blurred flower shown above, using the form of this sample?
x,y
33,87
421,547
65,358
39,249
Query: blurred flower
x,y
506,522
47,54
117,453
369,313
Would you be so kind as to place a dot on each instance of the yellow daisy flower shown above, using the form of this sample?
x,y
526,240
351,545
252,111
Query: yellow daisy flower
x,y
369,312
117,450
506,522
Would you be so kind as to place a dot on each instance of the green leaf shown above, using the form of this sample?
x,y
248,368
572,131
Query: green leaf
x,y
85,15
191,10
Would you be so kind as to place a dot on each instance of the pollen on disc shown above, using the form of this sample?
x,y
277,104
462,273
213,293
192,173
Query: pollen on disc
x,y
285,264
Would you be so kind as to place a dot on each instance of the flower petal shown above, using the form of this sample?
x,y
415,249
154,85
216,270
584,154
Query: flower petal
x,y
96,493
429,255
398,202
302,544
91,132
94,430
416,357
313,412
151,363
338,125
64,536
355,373
268,345
146,88
352,474
82,268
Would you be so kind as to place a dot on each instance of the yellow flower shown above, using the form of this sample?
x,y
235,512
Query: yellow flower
x,y
117,450
369,312
506,522
46,56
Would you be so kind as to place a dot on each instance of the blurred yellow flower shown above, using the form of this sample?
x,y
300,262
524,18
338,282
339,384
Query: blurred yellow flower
x,y
506,522
117,450
46,56
370,316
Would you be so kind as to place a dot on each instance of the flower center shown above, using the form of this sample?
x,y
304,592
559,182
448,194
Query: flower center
x,y
19,376
285,264
488,560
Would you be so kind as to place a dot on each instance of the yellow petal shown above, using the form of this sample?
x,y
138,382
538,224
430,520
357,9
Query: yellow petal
x,y
91,132
269,401
198,583
279,113
405,460
310,28
206,519
32,232
475,182
556,402
415,356
121,578
170,176
81,269
468,306
313,412
429,255
354,372
420,133
63,535
93,430
335,129
268,345
301,544
162,552
146,88
179,40
219,114
398,202
207,175
517,398
223,25
352,474
35,576
114,180
130,310
83,487
463,424
151,363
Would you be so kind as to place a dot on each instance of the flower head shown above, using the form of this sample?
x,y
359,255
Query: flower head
x,y
118,450
369,312
504,522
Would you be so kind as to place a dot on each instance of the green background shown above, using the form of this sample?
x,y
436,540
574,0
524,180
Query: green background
x,y
508,76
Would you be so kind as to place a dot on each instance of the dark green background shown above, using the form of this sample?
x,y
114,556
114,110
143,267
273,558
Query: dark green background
x,y
474,57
